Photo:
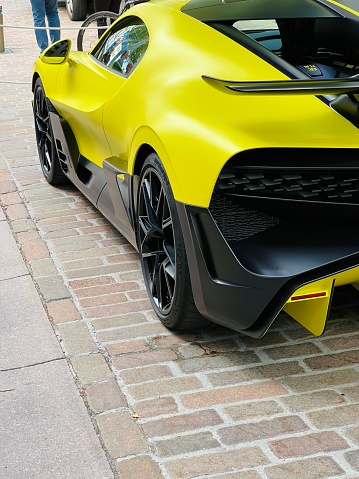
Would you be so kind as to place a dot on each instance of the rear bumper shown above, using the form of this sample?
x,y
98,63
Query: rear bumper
x,y
243,284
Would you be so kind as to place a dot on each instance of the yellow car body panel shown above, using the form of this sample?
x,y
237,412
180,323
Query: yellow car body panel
x,y
83,90
309,305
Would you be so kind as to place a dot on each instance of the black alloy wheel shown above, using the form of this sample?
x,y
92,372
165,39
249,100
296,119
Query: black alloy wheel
x,y
162,250
49,161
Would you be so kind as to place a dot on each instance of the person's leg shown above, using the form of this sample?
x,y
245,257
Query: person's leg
x,y
38,13
53,19
114,6
101,5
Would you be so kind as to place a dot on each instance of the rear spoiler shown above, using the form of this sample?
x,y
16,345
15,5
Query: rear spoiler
x,y
288,87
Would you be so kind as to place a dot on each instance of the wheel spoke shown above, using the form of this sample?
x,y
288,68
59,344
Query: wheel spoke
x,y
152,216
156,241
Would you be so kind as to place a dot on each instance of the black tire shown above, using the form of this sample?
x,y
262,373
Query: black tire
x,y
76,9
98,23
162,250
49,160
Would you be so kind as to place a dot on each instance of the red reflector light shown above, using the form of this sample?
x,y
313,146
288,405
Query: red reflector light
x,y
309,296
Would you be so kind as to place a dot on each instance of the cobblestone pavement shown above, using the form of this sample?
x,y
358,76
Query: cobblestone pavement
x,y
211,404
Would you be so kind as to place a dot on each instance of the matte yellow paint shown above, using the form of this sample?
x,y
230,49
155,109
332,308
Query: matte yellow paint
x,y
166,104
312,313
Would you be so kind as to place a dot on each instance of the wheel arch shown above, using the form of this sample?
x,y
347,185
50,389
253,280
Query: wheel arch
x,y
34,79
145,142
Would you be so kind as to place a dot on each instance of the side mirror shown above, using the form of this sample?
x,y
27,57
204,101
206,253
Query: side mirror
x,y
57,53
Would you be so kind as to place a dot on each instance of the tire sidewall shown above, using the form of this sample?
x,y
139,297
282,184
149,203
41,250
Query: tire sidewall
x,y
153,162
54,174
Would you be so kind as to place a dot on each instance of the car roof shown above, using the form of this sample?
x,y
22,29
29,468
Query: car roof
x,y
220,10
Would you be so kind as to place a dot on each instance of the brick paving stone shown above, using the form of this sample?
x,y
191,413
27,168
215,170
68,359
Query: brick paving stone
x,y
315,468
42,267
127,347
174,339
190,351
10,199
333,360
216,462
218,361
147,329
294,350
306,445
220,346
352,457
155,407
148,373
63,311
29,236
121,434
164,387
253,409
117,321
35,250
90,368
104,396
82,263
120,308
89,282
52,288
245,392
186,443
106,289
128,361
313,382
343,416
316,400
344,342
181,423
22,225
261,430
140,467
7,187
351,392
76,338
236,475
353,434
107,299
269,371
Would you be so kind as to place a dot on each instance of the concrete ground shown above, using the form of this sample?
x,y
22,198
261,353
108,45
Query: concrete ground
x,y
93,386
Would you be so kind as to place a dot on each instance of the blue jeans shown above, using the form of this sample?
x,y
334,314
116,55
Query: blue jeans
x,y
42,9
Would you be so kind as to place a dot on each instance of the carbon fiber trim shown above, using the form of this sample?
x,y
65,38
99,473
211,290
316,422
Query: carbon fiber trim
x,y
325,186
237,222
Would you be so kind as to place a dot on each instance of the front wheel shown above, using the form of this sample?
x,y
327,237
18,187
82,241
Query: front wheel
x,y
49,159
161,246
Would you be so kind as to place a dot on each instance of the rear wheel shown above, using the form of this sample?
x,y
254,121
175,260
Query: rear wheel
x,y
162,250
49,160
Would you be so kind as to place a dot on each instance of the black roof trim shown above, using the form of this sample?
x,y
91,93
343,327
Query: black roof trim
x,y
218,10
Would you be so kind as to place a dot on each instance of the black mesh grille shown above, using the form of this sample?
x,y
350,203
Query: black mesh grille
x,y
335,186
236,222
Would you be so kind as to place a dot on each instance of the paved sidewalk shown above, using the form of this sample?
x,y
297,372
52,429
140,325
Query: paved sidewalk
x,y
93,386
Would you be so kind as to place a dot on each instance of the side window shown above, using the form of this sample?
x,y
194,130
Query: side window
x,y
124,47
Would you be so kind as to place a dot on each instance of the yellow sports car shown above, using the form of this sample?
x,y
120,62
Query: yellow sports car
x,y
221,139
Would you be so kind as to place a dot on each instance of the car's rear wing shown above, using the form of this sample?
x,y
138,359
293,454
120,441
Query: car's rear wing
x,y
288,87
